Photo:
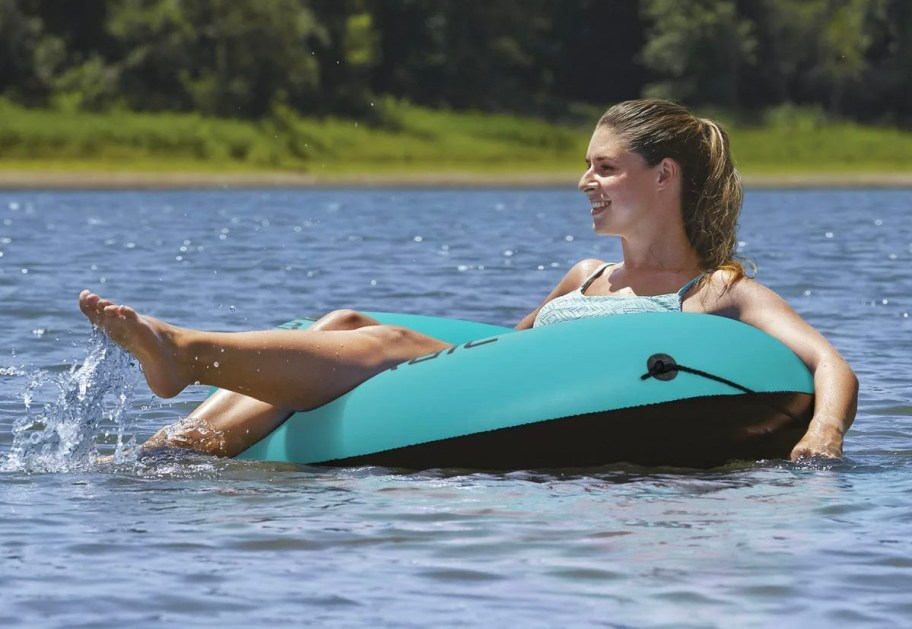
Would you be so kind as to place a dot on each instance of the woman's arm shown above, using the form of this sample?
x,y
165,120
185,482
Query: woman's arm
x,y
835,384
570,282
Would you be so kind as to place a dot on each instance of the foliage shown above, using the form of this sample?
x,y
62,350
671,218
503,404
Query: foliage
x,y
260,61
699,47
423,140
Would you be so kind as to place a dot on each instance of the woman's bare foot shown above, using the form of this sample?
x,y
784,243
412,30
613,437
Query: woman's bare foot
x,y
92,307
152,342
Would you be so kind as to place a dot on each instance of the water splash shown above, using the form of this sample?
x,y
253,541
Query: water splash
x,y
194,433
90,406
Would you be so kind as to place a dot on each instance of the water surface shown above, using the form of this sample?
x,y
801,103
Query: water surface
x,y
198,541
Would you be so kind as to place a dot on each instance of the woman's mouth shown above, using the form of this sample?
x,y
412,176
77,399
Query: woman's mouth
x,y
599,206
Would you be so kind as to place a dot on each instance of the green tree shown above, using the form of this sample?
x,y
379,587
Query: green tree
x,y
817,48
346,51
697,49
492,56
29,55
228,58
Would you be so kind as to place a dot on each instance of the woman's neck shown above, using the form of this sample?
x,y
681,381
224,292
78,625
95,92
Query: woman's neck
x,y
667,255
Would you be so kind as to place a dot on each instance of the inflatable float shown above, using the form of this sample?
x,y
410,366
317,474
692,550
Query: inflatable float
x,y
670,389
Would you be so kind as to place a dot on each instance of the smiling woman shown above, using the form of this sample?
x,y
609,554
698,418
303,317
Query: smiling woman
x,y
657,177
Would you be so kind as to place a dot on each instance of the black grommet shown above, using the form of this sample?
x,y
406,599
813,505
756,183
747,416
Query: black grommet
x,y
662,367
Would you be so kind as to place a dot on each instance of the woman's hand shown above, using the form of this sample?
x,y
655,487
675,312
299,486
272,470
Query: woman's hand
x,y
819,441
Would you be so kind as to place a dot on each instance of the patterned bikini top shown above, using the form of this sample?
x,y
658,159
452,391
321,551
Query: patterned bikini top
x,y
577,305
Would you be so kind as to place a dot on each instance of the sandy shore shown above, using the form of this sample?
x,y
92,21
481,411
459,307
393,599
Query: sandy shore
x,y
100,180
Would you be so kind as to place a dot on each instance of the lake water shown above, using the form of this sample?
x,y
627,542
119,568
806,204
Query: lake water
x,y
196,541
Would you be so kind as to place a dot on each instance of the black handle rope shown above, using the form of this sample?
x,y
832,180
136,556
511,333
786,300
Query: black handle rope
x,y
664,367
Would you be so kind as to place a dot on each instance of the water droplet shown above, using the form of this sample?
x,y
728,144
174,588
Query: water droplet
x,y
418,239
25,271
13,206
232,308
884,301
215,364
356,125
39,332
178,258
541,267
893,256
829,234
508,253
373,282
568,238
807,292
878,222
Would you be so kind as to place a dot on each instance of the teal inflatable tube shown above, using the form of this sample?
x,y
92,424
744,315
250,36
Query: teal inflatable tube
x,y
671,389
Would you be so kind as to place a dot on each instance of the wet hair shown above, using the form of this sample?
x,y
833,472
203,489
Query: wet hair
x,y
711,193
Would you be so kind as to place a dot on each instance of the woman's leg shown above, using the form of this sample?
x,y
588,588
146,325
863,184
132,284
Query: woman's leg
x,y
227,423
287,369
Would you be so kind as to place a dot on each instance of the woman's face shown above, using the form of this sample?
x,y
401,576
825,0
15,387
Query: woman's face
x,y
620,184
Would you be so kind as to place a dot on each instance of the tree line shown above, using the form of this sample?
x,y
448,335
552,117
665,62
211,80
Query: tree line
x,y
550,58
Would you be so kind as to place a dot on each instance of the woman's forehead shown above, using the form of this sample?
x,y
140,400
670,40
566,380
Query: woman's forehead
x,y
606,142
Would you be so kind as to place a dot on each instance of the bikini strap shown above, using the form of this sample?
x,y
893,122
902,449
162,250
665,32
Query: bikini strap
x,y
689,285
594,275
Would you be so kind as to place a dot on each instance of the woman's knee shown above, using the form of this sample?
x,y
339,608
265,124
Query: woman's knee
x,y
343,320
393,344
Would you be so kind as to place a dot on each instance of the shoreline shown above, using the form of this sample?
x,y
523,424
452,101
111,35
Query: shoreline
x,y
116,180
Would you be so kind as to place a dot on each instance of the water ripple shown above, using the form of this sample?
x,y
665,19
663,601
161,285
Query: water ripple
x,y
189,540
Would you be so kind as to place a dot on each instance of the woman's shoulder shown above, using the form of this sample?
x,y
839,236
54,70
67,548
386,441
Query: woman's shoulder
x,y
588,266
728,292
577,275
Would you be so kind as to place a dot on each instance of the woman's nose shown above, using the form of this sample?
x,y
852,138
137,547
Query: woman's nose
x,y
586,182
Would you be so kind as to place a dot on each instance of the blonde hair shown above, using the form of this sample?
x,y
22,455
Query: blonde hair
x,y
711,193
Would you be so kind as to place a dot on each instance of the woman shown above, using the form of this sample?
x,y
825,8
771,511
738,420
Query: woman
x,y
657,177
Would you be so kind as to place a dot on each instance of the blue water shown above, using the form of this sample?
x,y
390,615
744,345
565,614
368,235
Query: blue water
x,y
196,541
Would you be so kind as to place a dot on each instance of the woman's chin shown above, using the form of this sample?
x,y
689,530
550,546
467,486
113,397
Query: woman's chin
x,y
601,228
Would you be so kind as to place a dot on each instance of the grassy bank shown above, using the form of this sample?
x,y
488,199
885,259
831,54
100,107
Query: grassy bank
x,y
399,140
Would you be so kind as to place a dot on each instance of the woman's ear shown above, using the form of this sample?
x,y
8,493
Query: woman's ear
x,y
668,172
